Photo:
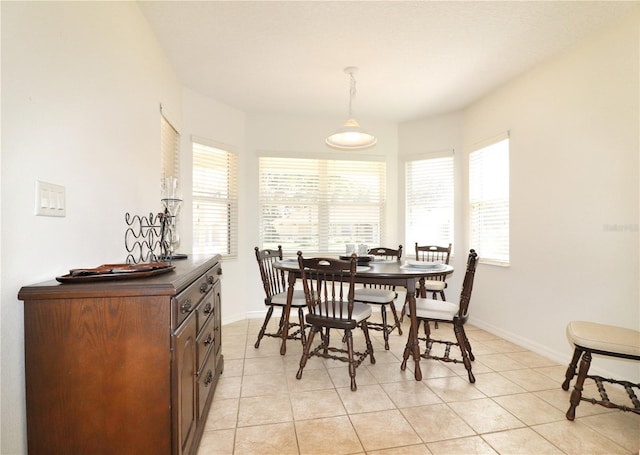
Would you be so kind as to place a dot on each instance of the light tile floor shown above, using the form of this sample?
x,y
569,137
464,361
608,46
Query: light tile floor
x,y
516,405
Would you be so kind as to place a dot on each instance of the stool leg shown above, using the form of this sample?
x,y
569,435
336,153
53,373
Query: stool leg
x,y
585,363
571,369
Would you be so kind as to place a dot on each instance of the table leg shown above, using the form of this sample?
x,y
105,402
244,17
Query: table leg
x,y
286,312
413,345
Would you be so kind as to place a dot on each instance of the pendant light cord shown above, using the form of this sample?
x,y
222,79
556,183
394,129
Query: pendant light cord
x,y
352,93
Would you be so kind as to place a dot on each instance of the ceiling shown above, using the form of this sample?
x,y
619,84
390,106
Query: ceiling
x,y
415,58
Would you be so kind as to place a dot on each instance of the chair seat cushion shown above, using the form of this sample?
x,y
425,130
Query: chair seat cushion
x,y
434,285
435,309
371,295
281,299
607,338
360,312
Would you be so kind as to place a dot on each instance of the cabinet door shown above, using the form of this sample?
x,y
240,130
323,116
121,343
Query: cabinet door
x,y
185,379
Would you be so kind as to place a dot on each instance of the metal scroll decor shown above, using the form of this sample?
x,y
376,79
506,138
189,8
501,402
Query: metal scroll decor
x,y
148,238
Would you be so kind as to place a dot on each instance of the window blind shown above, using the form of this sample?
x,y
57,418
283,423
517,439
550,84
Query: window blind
x,y
429,199
215,201
489,201
169,146
317,206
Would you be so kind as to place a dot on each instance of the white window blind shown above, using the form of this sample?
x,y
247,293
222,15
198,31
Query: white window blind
x,y
215,201
317,206
169,145
429,199
489,201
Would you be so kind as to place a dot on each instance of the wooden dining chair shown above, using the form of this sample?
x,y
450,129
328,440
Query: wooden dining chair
x,y
274,283
436,284
328,285
383,296
455,313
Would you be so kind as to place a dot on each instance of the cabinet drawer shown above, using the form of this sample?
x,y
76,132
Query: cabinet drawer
x,y
187,301
205,340
205,310
206,382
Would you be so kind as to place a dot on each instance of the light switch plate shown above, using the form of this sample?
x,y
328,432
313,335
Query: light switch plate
x,y
50,199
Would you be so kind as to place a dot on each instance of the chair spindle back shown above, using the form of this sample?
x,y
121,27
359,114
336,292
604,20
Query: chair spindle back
x,y
328,285
273,280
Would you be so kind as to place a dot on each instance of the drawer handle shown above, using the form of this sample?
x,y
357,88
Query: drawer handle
x,y
210,279
208,341
204,287
209,379
186,307
208,308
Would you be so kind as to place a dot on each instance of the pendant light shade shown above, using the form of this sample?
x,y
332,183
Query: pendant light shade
x,y
351,136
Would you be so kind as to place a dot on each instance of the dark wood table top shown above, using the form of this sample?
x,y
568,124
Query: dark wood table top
x,y
393,270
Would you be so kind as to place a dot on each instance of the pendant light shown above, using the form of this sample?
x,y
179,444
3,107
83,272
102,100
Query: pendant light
x,y
351,136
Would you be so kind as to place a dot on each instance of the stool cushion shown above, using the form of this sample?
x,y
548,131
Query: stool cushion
x,y
371,295
606,338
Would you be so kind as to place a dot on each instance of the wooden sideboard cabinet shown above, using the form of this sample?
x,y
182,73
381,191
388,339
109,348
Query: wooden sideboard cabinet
x,y
123,367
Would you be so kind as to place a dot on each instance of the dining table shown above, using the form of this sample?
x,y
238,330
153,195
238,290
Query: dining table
x,y
393,272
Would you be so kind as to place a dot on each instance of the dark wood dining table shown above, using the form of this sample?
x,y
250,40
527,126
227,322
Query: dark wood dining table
x,y
383,272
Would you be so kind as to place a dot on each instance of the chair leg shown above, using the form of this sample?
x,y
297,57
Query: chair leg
x,y
404,308
571,369
408,348
326,341
303,337
352,367
467,345
385,327
365,329
442,296
264,327
576,395
281,323
458,329
305,351
397,321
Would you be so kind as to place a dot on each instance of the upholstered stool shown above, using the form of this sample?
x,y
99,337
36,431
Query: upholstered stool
x,y
592,338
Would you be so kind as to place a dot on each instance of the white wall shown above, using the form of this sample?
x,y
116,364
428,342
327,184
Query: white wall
x,y
81,87
574,194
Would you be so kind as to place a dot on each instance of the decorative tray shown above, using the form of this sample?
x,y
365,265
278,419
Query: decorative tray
x,y
115,272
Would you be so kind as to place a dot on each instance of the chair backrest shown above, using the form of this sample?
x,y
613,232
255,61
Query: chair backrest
x,y
273,280
388,253
433,253
467,284
328,285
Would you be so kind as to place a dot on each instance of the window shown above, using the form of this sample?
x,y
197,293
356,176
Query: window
x,y
429,200
317,206
489,201
215,200
169,147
